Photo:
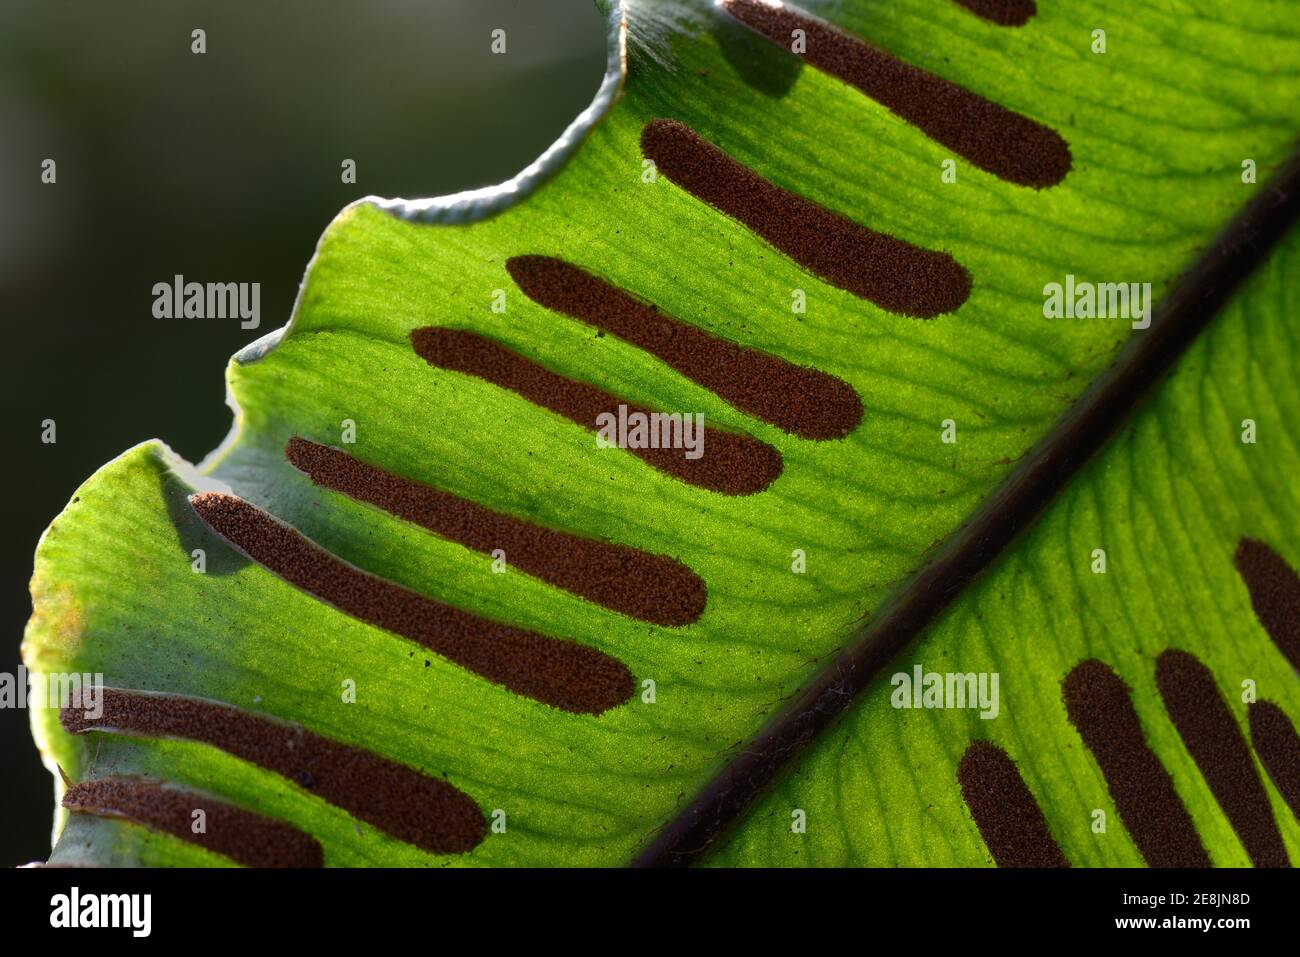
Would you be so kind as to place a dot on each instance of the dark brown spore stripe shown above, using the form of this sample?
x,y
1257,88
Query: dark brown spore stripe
x,y
1005,13
1216,744
1278,747
649,587
1009,819
243,836
1101,709
1274,594
893,274
401,802
555,671
1004,143
800,400
731,464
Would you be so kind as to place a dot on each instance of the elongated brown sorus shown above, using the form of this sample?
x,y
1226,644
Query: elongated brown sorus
x,y
555,671
1274,590
890,272
802,401
400,801
1101,709
243,836
1005,13
732,464
649,587
997,140
1215,742
1278,747
1008,817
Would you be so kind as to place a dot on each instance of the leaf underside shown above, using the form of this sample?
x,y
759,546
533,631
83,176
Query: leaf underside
x,y
1157,128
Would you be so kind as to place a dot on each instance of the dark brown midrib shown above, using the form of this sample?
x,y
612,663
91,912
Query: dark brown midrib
x,y
1082,430
645,586
731,464
413,807
802,401
997,140
1213,739
245,837
555,671
1008,817
888,271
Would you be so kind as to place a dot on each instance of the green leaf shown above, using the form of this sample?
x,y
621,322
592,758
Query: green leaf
x,y
1168,502
1157,128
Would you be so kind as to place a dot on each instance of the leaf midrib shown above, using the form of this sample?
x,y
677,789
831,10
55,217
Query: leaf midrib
x,y
1083,429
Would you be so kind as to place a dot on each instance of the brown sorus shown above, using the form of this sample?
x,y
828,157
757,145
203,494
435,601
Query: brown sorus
x,y
892,273
243,836
800,400
1278,747
997,140
403,803
1005,13
1101,709
1215,742
1009,819
555,671
731,464
1274,594
639,584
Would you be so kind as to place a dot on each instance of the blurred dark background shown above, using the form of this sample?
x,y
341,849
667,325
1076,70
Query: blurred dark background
x,y
223,167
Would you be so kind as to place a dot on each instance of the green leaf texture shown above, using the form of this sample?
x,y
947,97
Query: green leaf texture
x,y
1168,501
